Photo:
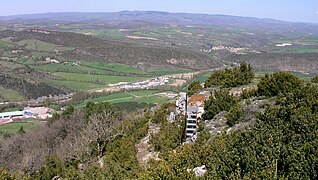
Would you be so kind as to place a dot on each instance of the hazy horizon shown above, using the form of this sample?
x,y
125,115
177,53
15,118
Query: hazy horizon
x,y
292,10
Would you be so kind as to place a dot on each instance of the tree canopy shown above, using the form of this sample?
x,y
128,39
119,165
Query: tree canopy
x,y
221,100
279,83
231,77
194,87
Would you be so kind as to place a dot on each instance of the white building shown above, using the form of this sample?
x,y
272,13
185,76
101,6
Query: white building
x,y
192,121
11,115
7,117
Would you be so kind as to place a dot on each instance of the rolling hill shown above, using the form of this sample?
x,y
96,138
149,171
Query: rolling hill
x,y
89,47
145,42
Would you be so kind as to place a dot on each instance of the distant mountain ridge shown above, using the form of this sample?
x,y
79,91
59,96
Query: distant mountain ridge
x,y
115,18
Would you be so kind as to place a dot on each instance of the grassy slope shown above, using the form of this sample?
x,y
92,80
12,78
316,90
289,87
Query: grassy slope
x,y
76,86
9,95
147,96
14,127
103,79
203,77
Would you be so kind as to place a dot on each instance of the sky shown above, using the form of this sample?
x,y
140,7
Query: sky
x,y
289,10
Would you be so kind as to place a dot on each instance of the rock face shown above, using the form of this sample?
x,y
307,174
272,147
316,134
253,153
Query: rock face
x,y
143,148
192,139
250,108
217,124
199,171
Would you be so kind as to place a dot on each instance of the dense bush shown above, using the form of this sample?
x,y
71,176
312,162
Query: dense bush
x,y
170,134
281,145
168,138
234,115
248,93
314,79
133,106
194,87
278,83
221,100
242,75
97,108
161,114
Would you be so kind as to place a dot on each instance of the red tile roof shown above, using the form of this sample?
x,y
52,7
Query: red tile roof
x,y
197,99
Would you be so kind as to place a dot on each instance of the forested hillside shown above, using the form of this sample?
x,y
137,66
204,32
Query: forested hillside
x,y
99,140
93,48
26,81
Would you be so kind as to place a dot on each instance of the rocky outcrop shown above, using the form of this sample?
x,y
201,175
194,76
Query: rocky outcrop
x,y
144,154
250,108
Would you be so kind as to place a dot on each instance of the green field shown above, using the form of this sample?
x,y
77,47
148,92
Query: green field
x,y
67,68
86,67
143,92
12,109
38,45
300,50
305,77
113,33
203,77
89,75
147,96
112,67
12,128
76,86
98,79
5,44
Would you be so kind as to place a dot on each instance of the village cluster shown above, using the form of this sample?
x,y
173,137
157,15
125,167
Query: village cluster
x,y
146,84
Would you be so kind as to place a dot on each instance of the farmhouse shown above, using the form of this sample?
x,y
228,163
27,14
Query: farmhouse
x,y
37,112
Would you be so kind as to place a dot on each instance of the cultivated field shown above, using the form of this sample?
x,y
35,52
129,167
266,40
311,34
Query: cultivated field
x,y
14,127
147,96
